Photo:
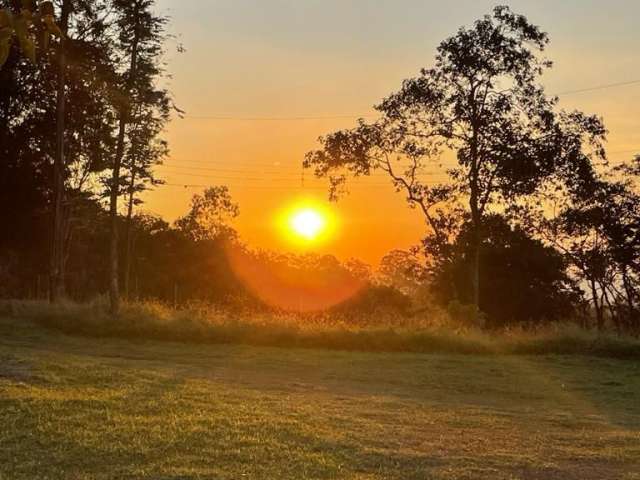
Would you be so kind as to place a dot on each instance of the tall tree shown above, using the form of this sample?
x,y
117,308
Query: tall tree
x,y
144,153
30,93
600,235
140,34
57,290
482,101
151,110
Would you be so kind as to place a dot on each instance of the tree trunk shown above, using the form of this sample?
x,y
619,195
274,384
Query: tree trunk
x,y
474,202
475,270
57,290
128,236
596,305
631,314
114,289
476,219
114,293
615,317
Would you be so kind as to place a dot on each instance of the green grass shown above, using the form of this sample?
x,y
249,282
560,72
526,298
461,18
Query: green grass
x,y
101,408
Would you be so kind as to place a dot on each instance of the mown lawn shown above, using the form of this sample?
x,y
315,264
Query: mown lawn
x,y
78,408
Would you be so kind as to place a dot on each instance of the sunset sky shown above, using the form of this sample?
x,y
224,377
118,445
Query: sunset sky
x,y
261,79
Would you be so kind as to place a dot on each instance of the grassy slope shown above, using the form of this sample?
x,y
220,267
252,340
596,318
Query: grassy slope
x,y
82,408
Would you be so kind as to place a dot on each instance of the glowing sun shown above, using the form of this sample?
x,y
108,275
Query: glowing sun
x,y
307,223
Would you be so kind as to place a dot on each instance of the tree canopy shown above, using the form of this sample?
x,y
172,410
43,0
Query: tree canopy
x,y
482,103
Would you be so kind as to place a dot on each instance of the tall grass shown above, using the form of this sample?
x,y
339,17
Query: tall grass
x,y
207,324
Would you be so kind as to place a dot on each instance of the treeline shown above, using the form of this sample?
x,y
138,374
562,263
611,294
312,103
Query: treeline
x,y
82,110
533,222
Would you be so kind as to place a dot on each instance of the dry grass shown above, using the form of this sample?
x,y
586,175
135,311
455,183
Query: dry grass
x,y
205,324
100,409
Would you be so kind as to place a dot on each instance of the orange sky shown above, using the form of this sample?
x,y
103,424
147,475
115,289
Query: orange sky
x,y
251,62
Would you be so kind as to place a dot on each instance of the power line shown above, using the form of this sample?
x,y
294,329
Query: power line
x,y
275,165
223,177
600,87
244,180
634,150
275,119
288,174
213,165
239,163
293,168
281,186
365,115
250,187
273,187
228,170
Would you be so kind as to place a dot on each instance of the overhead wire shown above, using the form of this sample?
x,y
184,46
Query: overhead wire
x,y
179,169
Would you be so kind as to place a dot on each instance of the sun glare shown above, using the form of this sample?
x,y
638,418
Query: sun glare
x,y
307,223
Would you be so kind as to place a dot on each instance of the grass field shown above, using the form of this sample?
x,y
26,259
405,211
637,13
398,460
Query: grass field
x,y
87,408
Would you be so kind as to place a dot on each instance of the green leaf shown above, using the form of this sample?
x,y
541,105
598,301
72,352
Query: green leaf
x,y
6,19
28,47
5,47
29,5
51,26
46,9
21,27
5,33
46,40
27,15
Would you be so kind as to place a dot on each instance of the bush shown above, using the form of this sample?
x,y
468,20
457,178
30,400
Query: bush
x,y
153,321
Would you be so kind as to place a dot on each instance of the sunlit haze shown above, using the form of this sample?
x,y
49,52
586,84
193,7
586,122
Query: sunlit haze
x,y
305,239
260,81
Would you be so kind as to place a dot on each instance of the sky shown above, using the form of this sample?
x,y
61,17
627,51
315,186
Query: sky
x,y
261,80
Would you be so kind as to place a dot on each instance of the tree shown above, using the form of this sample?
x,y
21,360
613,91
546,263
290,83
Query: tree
x,y
624,234
482,101
523,281
210,215
145,151
59,177
403,270
599,234
151,107
22,23
140,34
35,132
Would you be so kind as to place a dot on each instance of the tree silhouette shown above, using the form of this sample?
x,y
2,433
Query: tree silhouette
x,y
150,110
31,124
139,41
210,215
482,101
524,281
57,290
599,233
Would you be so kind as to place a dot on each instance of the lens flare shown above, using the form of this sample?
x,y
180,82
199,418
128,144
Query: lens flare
x,y
303,279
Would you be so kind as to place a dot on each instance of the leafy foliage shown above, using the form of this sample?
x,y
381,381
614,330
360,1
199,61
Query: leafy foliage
x,y
523,281
33,19
482,102
209,215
